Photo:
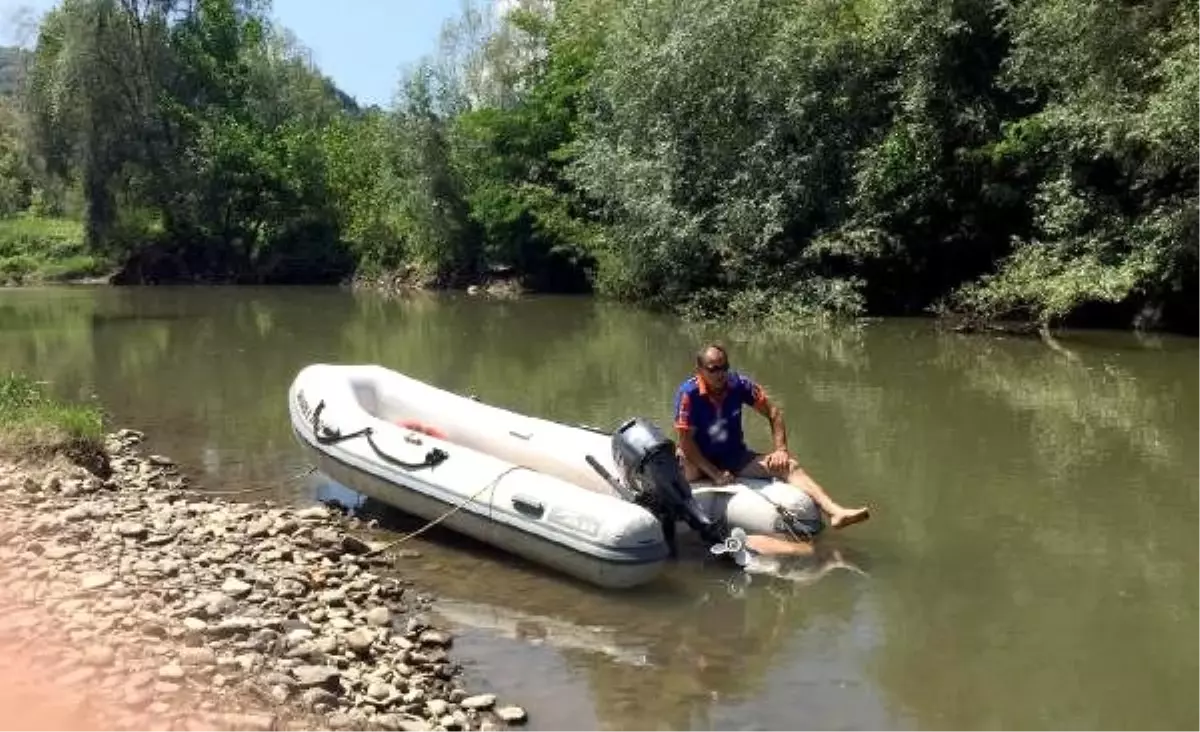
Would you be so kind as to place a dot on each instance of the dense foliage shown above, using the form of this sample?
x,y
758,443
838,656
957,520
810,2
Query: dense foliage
x,y
994,159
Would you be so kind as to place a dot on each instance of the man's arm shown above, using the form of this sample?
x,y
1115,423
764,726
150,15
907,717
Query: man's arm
x,y
767,408
691,451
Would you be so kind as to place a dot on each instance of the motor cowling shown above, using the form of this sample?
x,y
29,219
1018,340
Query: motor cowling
x,y
652,477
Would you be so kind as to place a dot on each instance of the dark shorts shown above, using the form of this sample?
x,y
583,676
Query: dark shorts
x,y
734,460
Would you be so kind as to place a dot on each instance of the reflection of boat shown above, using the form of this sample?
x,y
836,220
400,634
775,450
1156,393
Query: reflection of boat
x,y
541,630
530,486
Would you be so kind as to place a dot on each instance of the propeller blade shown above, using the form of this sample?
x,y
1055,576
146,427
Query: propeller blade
x,y
734,545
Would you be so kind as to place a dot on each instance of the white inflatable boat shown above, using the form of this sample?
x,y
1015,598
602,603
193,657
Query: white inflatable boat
x,y
523,484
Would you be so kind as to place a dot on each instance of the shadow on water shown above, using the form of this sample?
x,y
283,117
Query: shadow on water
x,y
1032,555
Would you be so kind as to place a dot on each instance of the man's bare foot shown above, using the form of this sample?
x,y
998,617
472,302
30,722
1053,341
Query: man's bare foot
x,y
850,516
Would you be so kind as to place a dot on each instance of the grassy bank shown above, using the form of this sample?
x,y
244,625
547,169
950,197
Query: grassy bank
x,y
35,424
35,249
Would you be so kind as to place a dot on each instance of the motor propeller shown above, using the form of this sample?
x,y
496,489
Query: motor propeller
x,y
734,546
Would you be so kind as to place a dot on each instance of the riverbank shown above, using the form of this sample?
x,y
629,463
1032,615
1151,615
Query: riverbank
x,y
36,250
40,251
132,602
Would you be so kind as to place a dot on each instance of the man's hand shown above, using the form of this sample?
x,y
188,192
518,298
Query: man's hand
x,y
779,461
723,477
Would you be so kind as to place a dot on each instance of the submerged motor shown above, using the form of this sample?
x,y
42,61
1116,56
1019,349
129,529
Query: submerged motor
x,y
652,478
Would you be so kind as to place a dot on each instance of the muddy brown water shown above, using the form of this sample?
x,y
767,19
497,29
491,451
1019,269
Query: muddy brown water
x,y
1032,561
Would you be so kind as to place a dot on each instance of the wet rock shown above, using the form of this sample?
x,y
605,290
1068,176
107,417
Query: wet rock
x,y
171,671
437,707
354,545
312,512
479,701
435,638
511,714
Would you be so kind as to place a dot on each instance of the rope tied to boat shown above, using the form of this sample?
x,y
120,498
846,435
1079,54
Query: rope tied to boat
x,y
454,509
327,435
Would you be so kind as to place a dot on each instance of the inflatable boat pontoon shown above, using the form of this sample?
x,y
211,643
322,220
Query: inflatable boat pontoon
x,y
553,493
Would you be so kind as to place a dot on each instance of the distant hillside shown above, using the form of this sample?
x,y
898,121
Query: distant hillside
x,y
11,68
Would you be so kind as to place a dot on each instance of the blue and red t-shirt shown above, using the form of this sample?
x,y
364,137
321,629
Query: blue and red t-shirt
x,y
715,422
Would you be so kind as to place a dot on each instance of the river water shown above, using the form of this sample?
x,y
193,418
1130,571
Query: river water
x,y
1031,561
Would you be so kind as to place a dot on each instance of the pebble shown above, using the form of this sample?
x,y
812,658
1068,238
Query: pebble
x,y
179,592
435,638
511,714
235,588
95,580
479,701
379,616
194,624
359,640
309,676
130,529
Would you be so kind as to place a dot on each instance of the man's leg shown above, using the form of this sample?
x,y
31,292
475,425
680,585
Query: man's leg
x,y
691,471
839,516
759,543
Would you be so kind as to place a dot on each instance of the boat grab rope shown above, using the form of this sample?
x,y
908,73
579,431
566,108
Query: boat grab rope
x,y
327,435
454,509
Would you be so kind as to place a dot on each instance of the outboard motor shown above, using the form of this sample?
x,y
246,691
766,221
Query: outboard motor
x,y
652,478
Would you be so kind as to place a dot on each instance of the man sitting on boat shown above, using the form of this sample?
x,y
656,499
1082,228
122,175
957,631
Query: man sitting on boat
x,y
708,418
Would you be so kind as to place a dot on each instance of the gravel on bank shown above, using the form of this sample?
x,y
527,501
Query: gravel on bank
x,y
159,607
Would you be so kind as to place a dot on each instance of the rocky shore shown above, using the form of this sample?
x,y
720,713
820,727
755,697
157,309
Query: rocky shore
x,y
157,607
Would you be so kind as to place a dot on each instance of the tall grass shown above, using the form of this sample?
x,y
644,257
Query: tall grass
x,y
37,249
32,420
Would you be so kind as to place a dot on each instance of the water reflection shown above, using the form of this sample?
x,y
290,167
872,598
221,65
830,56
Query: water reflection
x,y
706,635
1032,558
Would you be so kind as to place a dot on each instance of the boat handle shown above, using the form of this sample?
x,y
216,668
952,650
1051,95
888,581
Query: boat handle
x,y
529,506
520,436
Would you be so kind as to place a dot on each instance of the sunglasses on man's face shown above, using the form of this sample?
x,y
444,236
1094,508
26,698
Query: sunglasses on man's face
x,y
717,368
